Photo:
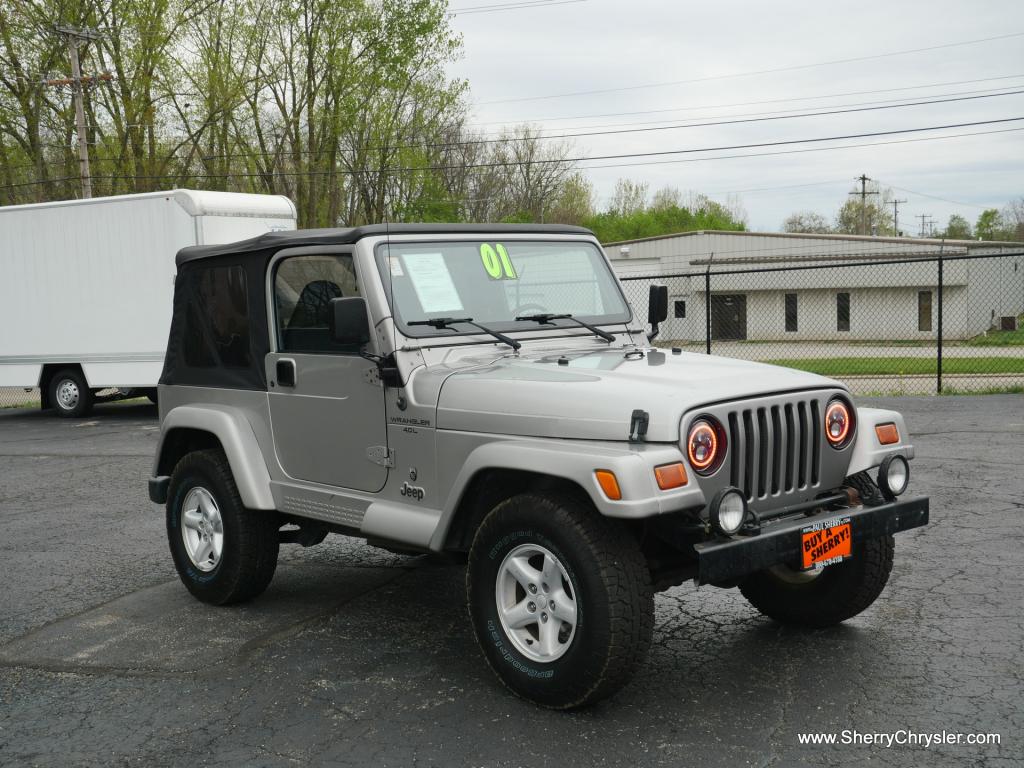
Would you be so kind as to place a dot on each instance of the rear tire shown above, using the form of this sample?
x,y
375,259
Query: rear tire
x,y
223,552
837,593
560,599
69,394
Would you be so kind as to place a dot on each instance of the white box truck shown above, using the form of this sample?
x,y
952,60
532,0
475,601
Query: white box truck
x,y
86,285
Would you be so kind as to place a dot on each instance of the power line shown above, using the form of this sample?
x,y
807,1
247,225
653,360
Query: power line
x,y
873,103
510,7
396,171
832,183
477,142
943,199
774,70
753,103
677,126
548,161
803,151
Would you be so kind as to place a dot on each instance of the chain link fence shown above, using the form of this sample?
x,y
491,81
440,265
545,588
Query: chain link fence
x,y
889,325
16,397
881,323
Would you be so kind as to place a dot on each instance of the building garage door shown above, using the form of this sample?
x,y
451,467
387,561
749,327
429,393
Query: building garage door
x,y
729,317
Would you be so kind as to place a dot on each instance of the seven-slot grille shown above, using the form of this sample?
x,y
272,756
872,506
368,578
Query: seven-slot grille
x,y
775,449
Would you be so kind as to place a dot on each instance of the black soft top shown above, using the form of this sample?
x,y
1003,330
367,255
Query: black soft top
x,y
219,328
273,241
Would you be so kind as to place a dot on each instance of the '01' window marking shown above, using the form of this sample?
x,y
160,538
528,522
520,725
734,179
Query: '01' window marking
x,y
497,262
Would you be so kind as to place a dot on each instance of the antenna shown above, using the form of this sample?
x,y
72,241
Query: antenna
x,y
391,284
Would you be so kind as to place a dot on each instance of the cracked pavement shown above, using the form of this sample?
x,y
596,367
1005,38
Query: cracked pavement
x,y
356,656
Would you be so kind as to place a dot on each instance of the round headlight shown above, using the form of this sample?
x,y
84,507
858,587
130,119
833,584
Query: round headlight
x,y
728,510
838,423
705,445
893,476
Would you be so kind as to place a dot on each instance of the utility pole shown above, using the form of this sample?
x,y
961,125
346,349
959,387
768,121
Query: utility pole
x,y
926,221
77,38
896,216
863,179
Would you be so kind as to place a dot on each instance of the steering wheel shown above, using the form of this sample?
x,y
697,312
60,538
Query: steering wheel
x,y
522,309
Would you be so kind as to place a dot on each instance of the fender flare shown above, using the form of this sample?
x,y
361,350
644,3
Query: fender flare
x,y
575,462
239,442
867,451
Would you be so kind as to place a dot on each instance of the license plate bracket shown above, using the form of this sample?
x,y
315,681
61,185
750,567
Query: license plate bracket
x,y
826,543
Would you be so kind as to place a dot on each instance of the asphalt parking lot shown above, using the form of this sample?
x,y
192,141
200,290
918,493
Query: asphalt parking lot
x,y
356,656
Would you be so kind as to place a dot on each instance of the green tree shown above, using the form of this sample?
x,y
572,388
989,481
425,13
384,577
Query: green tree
x,y
611,226
574,203
989,225
958,228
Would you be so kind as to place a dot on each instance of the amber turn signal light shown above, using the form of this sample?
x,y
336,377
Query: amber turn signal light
x,y
670,476
887,433
609,484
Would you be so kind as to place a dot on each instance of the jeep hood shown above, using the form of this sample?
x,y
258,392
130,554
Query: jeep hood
x,y
592,395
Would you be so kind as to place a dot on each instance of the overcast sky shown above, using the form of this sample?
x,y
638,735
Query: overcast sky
x,y
513,57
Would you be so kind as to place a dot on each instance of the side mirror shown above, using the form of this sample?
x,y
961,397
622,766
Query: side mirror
x,y
349,323
657,308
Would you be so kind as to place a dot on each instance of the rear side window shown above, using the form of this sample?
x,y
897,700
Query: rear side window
x,y
217,321
303,289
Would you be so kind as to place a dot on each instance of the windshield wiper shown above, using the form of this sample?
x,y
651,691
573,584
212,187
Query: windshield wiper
x,y
546,319
447,322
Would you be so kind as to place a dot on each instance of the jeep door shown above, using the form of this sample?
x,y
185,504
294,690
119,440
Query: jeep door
x,y
326,401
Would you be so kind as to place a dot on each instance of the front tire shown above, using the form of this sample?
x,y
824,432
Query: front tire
x,y
833,595
70,395
560,599
223,552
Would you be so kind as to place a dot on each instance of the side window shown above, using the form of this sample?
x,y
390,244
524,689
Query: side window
x,y
303,289
217,322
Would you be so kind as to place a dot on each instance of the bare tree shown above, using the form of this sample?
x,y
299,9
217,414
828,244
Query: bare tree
x,y
810,222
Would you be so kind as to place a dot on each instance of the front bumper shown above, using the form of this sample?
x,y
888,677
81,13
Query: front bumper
x,y
725,560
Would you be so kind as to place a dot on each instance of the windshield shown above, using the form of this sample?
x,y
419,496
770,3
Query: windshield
x,y
495,282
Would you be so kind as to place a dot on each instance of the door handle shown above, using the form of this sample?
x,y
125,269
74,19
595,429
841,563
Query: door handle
x,y
285,370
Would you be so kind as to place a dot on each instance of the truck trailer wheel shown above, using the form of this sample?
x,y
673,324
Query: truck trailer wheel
x,y
223,552
69,393
560,600
827,597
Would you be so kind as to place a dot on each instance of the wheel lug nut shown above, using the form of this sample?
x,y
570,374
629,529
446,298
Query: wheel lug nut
x,y
533,589
531,607
552,605
544,617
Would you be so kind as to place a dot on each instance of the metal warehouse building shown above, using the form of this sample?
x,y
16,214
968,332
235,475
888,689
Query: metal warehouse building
x,y
781,287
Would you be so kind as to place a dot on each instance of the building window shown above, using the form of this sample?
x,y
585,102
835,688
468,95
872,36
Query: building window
x,y
790,313
842,311
924,310
680,309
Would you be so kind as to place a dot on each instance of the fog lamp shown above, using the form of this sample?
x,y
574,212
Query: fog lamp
x,y
893,476
728,510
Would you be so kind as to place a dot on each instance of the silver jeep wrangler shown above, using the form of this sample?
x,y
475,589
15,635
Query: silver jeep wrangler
x,y
486,391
